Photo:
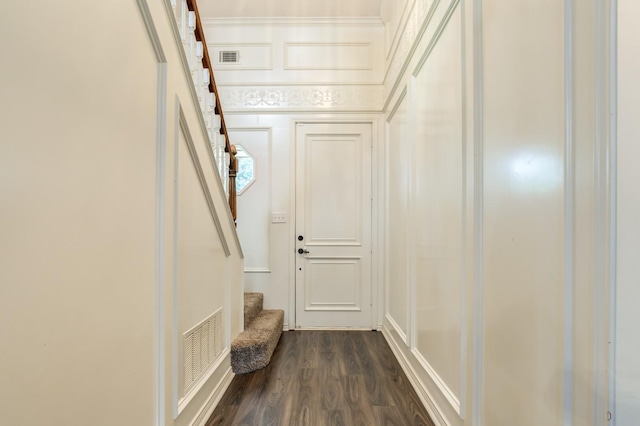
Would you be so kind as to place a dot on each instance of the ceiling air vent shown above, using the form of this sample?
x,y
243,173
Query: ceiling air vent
x,y
229,57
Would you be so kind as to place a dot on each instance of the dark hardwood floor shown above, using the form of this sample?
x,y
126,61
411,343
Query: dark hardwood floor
x,y
324,378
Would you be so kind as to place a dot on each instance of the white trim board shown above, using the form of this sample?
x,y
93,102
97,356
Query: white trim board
x,y
478,269
159,358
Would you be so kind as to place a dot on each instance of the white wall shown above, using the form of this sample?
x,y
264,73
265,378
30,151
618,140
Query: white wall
x,y
92,231
290,70
627,372
497,296
523,224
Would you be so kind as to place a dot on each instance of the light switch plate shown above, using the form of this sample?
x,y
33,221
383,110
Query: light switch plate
x,y
279,217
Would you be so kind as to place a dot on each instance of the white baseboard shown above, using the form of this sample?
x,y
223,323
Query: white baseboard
x,y
437,380
397,328
213,399
424,395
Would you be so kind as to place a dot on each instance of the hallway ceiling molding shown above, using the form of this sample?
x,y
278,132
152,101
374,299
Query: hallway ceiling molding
x,y
289,8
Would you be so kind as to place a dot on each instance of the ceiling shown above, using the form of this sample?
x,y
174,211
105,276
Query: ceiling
x,y
289,8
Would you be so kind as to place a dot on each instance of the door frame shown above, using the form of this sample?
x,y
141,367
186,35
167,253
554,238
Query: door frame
x,y
377,269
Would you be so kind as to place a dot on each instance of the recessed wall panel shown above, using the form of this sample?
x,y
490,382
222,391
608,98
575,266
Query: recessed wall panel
x,y
333,284
200,258
333,189
523,213
438,208
328,56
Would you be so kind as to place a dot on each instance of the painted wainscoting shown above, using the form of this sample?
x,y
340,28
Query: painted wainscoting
x,y
497,209
426,230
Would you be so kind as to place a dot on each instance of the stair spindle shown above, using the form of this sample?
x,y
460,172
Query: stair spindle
x,y
192,41
204,95
184,16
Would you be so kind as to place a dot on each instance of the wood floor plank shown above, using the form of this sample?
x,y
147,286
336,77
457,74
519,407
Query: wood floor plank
x,y
374,383
357,401
350,356
322,378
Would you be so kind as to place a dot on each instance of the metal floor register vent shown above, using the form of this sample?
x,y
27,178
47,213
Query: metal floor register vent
x,y
202,346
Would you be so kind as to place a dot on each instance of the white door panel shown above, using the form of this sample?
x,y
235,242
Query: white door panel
x,y
333,217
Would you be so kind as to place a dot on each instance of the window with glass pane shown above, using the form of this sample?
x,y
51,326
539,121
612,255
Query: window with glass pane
x,y
246,170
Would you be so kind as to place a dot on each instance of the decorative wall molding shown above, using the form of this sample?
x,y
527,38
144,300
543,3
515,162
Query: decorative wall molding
x,y
437,380
419,17
292,21
159,358
478,217
396,106
606,214
356,98
182,125
152,32
436,36
425,16
569,213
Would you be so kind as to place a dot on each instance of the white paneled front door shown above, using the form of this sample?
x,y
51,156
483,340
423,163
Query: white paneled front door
x,y
333,225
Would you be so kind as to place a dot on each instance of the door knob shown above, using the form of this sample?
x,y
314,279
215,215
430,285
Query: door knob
x,y
303,251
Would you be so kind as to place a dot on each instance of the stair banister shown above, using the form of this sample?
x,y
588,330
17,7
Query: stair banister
x,y
205,83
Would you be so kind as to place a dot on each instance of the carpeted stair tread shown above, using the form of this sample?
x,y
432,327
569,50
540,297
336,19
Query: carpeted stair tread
x,y
252,349
253,303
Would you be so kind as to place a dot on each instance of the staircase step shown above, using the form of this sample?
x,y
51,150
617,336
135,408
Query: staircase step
x,y
252,349
253,303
